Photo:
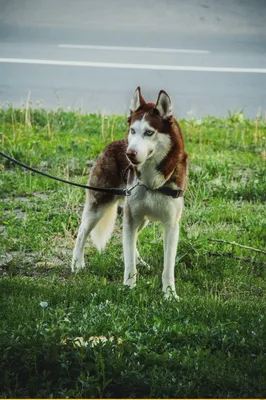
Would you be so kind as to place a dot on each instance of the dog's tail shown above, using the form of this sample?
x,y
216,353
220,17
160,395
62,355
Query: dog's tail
x,y
102,232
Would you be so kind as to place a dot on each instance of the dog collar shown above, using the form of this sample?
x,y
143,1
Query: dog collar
x,y
171,192
175,193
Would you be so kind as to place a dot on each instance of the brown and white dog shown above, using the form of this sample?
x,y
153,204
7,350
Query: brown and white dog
x,y
154,148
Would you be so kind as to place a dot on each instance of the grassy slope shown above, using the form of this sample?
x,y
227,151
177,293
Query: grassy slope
x,y
211,344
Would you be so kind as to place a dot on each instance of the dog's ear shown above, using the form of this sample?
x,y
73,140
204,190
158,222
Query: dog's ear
x,y
136,101
164,105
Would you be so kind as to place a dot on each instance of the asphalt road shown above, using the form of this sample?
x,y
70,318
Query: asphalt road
x,y
209,55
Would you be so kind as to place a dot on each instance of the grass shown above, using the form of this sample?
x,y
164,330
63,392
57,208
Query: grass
x,y
133,343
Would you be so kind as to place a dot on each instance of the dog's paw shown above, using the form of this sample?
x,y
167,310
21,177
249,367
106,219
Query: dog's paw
x,y
130,282
170,294
77,265
131,285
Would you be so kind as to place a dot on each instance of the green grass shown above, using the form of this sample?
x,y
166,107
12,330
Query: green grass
x,y
210,344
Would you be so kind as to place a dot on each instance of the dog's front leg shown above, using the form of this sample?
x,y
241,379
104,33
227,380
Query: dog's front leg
x,y
130,233
171,234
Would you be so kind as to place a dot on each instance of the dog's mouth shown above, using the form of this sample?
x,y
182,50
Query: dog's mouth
x,y
133,160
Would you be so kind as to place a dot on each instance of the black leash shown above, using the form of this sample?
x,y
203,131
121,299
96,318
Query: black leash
x,y
175,193
120,192
115,191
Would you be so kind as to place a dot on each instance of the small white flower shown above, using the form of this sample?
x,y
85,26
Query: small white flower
x,y
43,304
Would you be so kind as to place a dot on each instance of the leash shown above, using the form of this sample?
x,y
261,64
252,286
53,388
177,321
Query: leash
x,y
115,191
175,193
120,192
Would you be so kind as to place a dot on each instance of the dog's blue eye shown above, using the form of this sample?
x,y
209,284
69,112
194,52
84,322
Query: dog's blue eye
x,y
148,133
132,130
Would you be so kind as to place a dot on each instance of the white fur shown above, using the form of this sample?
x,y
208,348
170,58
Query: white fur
x,y
150,176
143,205
150,151
102,232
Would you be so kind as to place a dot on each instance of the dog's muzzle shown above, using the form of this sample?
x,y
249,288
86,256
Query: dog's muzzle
x,y
132,156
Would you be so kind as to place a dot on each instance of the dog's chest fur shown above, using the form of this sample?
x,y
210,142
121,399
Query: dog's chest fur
x,y
155,206
149,175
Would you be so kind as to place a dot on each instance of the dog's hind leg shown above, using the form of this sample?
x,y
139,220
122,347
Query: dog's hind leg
x,y
92,217
88,222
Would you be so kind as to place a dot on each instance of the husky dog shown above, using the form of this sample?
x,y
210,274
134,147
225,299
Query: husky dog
x,y
154,159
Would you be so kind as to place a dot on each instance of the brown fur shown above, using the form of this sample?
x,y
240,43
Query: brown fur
x,y
113,160
175,165
107,171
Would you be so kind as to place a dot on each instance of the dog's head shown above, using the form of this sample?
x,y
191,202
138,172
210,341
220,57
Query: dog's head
x,y
149,127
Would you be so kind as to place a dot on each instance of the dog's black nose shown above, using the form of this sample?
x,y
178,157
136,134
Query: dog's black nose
x,y
132,155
